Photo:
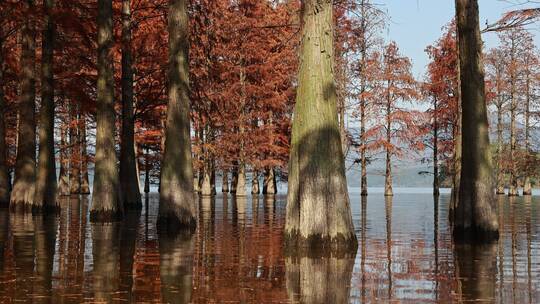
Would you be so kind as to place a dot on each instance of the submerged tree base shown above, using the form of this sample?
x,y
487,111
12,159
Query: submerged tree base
x,y
474,235
134,206
317,245
105,216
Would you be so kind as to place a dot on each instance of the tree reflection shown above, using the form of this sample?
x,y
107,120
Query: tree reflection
x,y
128,241
363,246
105,252
314,280
176,267
388,209
477,269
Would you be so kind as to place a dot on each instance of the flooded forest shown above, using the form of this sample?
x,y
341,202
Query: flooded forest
x,y
252,151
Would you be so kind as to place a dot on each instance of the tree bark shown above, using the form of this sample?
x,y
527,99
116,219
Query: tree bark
x,y
129,180
476,213
255,183
177,208
4,172
63,181
435,148
75,157
388,174
45,196
269,185
225,181
22,195
456,177
500,172
318,207
106,200
85,181
241,180
512,182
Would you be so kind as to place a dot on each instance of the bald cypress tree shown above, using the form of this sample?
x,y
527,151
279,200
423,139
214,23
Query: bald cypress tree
x,y
106,204
475,216
177,207
4,173
318,211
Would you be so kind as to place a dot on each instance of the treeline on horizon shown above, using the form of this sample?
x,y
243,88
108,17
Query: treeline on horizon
x,y
243,65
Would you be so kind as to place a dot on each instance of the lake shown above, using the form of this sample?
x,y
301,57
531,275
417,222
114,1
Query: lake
x,y
405,254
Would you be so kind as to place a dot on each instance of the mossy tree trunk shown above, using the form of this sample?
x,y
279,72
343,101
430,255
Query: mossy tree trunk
x,y
106,201
22,195
129,179
4,172
177,208
45,196
476,214
318,208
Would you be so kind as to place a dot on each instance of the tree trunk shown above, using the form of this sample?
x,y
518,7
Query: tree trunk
x,y
46,172
388,174
129,180
241,180
435,148
22,195
363,102
177,206
106,200
476,213
75,157
63,181
456,177
318,207
85,181
234,178
513,183
255,183
500,173
206,187
269,186
146,172
4,172
225,181
363,159
527,189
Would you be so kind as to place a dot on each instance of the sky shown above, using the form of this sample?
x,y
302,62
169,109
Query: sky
x,y
416,24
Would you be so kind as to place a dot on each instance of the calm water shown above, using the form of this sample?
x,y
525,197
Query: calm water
x,y
405,254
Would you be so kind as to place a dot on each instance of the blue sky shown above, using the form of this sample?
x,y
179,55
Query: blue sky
x,y
417,23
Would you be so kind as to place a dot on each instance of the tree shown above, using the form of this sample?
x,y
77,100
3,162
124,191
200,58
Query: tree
x,y
475,215
398,127
177,207
22,196
45,196
318,207
129,180
4,173
106,200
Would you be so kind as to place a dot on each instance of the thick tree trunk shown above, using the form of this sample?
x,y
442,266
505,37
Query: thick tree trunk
x,y
75,157
177,208
225,181
318,207
22,195
85,180
500,173
269,186
106,198
46,172
435,148
129,180
476,212
4,172
255,189
241,180
63,180
388,174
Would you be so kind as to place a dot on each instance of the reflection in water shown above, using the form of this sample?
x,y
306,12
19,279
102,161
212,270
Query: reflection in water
x,y
176,267
406,254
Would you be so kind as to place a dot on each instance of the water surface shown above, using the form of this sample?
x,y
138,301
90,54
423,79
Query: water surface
x,y
405,254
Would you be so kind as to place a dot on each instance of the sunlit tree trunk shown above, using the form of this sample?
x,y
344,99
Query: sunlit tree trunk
x,y
4,172
177,206
129,179
318,207
22,195
255,182
269,185
476,213
106,200
85,181
46,172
